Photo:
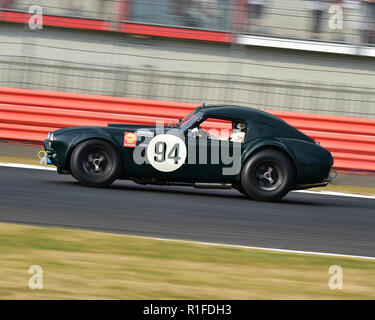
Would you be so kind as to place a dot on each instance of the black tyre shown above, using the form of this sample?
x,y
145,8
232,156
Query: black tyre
x,y
241,189
267,176
95,163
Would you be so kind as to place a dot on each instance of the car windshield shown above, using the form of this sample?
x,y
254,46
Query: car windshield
x,y
187,120
183,120
190,119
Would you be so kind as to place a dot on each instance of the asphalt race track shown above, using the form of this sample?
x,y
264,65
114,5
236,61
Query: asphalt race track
x,y
301,221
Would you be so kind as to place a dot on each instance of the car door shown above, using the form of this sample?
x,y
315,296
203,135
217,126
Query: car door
x,y
216,159
179,156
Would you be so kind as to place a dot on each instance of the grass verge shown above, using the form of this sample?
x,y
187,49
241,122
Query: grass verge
x,y
368,191
9,159
89,265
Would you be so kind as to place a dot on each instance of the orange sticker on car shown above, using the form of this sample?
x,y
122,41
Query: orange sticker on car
x,y
130,139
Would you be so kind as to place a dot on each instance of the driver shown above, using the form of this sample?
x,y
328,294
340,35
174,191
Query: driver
x,y
238,132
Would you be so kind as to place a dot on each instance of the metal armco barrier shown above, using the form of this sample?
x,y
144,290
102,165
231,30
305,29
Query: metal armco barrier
x,y
28,115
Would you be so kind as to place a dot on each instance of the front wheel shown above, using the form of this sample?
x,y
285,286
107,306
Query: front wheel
x,y
267,176
95,163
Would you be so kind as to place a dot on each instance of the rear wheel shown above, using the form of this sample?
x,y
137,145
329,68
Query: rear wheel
x,y
241,189
267,176
95,163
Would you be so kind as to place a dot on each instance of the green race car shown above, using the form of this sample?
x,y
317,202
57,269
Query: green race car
x,y
212,147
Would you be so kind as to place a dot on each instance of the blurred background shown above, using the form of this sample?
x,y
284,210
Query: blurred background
x,y
301,19
311,57
272,54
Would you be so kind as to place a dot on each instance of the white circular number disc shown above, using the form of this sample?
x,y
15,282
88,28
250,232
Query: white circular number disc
x,y
166,152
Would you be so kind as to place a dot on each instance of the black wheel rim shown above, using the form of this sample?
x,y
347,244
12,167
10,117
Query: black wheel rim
x,y
95,162
268,176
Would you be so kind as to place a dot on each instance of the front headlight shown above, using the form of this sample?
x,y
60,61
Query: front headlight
x,y
50,136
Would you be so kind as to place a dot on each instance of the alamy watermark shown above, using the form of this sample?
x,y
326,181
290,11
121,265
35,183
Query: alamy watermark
x,y
336,19
335,281
168,150
36,280
36,19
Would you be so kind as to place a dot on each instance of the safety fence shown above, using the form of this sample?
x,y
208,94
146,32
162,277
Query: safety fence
x,y
28,115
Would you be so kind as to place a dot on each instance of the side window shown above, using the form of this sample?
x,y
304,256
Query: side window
x,y
218,129
239,131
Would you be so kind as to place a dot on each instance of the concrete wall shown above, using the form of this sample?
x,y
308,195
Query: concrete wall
x,y
116,64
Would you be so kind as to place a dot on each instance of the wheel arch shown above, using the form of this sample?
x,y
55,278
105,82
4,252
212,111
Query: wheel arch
x,y
272,145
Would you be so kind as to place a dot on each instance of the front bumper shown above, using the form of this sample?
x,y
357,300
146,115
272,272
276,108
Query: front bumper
x,y
51,155
48,148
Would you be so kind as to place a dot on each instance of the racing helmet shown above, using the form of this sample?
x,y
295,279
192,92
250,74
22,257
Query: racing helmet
x,y
241,126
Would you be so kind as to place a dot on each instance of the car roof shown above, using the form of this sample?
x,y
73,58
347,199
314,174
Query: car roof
x,y
236,112
251,116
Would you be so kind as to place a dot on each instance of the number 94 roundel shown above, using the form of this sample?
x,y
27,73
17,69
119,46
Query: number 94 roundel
x,y
166,152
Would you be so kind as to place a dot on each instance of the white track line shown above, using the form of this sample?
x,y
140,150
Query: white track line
x,y
333,193
258,248
338,255
24,166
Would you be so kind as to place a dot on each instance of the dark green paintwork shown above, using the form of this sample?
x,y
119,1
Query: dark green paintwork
x,y
312,162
